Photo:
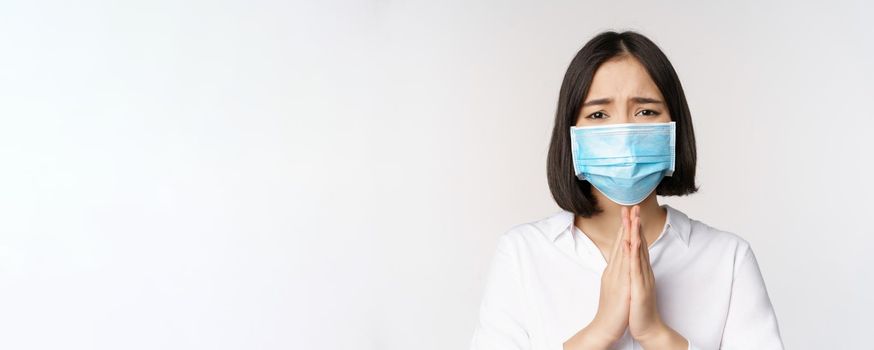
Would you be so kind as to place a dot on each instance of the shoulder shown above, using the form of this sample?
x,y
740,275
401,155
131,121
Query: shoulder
x,y
712,239
713,235
543,229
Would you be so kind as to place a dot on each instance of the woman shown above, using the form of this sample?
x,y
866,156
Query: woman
x,y
588,277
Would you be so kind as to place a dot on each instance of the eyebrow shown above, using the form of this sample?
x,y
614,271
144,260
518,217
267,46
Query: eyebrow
x,y
636,99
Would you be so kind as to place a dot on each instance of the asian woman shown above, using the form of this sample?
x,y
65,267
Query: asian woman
x,y
614,269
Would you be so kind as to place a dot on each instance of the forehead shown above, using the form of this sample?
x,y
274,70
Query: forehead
x,y
622,76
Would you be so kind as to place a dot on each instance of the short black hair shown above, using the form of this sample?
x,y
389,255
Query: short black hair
x,y
575,195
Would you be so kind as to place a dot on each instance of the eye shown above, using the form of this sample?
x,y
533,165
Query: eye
x,y
596,115
648,113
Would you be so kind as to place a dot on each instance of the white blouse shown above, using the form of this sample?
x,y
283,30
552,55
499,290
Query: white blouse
x,y
544,282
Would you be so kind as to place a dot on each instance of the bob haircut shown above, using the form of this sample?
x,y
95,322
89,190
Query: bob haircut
x,y
575,195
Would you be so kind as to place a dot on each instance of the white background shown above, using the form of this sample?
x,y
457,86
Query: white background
x,y
334,175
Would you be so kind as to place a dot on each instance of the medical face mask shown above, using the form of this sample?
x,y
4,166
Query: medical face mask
x,y
624,161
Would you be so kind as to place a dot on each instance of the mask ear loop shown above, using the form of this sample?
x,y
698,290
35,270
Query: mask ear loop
x,y
580,175
673,148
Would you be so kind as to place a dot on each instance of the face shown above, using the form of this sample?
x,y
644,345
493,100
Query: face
x,y
622,92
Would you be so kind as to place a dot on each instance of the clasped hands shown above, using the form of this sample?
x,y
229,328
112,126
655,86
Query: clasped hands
x,y
627,298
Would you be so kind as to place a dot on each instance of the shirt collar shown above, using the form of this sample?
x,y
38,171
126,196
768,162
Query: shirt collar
x,y
554,226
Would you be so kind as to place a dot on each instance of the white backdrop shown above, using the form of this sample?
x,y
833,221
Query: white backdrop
x,y
330,175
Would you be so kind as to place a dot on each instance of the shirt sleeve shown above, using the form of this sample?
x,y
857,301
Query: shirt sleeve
x,y
501,324
751,322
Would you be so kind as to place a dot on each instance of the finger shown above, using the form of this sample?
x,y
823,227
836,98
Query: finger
x,y
616,244
634,220
624,273
647,264
628,226
636,227
623,258
644,261
644,258
622,261
636,276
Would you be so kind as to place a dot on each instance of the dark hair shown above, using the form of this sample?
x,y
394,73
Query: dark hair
x,y
575,195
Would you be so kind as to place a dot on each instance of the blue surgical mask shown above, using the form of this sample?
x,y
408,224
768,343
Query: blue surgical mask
x,y
624,161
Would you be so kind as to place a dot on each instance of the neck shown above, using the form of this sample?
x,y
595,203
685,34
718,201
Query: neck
x,y
602,227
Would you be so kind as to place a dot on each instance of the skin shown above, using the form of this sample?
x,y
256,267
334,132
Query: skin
x,y
623,92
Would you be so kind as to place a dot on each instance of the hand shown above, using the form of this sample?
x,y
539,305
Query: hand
x,y
644,322
627,297
643,318
611,319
